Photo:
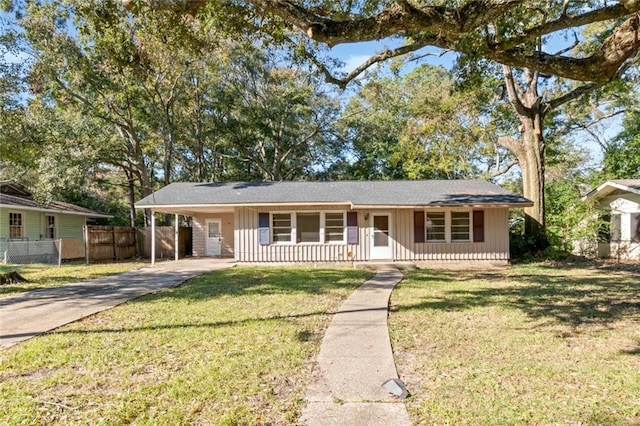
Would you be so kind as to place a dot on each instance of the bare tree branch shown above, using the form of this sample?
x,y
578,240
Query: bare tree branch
x,y
504,169
564,22
570,96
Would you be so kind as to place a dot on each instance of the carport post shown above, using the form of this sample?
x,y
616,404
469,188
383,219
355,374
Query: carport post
x,y
177,232
153,237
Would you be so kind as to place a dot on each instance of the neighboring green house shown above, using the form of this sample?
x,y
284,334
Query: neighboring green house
x,y
24,219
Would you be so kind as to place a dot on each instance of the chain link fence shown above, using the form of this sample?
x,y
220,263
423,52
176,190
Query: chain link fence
x,y
25,251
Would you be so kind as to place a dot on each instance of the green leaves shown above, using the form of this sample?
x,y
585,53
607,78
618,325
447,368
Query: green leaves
x,y
418,126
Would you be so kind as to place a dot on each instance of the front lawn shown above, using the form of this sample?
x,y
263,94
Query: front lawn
x,y
41,275
534,345
231,347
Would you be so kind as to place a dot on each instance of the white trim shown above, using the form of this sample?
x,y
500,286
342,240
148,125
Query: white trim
x,y
448,220
58,211
153,237
46,226
23,223
206,235
595,192
261,204
293,215
391,240
344,227
426,227
176,238
166,208
438,206
292,229
469,227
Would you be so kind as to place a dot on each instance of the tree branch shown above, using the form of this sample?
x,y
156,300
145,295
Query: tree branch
x,y
445,27
562,23
602,66
570,96
511,144
504,169
512,92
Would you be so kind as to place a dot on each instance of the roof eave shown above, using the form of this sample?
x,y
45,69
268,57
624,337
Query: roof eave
x,y
442,205
58,211
257,204
601,191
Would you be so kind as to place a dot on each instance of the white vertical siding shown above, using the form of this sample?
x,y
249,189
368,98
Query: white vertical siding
x,y
199,243
249,249
494,247
240,234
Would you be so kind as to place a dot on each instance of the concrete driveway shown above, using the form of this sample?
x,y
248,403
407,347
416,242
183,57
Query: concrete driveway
x,y
35,312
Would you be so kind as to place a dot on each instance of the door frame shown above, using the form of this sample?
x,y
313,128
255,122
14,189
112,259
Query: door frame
x,y
388,254
206,236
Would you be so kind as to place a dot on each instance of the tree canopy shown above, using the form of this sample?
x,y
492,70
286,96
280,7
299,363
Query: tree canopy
x,y
517,33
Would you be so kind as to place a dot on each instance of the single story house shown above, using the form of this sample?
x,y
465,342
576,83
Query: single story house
x,y
621,198
23,219
349,221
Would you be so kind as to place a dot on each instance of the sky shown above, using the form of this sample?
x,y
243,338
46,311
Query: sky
x,y
355,54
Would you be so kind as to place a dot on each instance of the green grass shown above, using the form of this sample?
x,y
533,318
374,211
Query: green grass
x,y
535,345
41,275
231,347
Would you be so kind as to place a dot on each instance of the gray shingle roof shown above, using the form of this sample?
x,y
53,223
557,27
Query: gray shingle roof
x,y
356,193
13,195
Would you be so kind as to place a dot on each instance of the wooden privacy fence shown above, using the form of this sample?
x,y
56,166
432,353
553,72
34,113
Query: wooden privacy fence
x,y
123,242
165,241
111,243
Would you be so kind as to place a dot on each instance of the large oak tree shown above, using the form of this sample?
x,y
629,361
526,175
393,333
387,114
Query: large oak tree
x,y
506,31
515,33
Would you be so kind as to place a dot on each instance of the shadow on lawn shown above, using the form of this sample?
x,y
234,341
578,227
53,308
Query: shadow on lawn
x,y
303,336
264,281
562,296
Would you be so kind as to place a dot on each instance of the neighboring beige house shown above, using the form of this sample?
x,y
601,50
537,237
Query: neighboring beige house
x,y
622,198
350,221
24,222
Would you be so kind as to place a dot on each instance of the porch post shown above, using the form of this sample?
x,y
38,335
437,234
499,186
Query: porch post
x,y
153,237
177,235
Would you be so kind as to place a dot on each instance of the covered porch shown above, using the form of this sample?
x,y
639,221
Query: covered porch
x,y
213,230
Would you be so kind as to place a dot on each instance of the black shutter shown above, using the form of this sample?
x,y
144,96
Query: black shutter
x,y
263,229
478,226
418,227
352,227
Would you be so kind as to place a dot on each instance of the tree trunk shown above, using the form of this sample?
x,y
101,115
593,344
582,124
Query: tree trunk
x,y
529,150
132,198
532,168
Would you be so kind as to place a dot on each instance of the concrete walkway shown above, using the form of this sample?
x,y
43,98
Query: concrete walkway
x,y
355,360
35,312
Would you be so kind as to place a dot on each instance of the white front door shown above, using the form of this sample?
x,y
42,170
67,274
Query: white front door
x,y
214,237
381,236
